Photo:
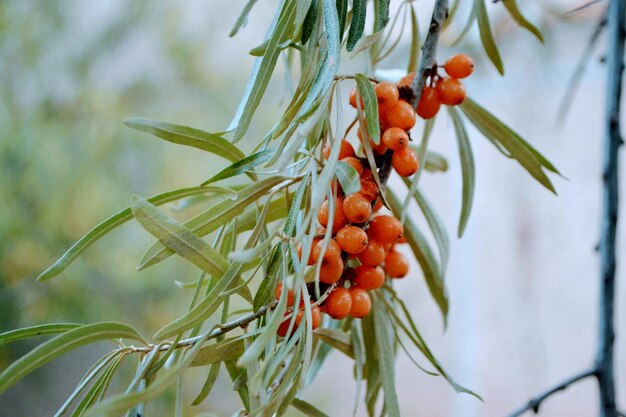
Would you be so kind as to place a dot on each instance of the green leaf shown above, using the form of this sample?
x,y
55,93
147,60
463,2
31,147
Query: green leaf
x,y
415,42
370,106
306,408
357,23
290,224
99,387
227,350
467,168
309,22
342,13
386,355
178,238
501,134
435,162
62,344
486,36
183,135
511,6
348,178
382,14
117,220
337,339
208,384
215,216
265,293
243,166
243,17
43,329
262,71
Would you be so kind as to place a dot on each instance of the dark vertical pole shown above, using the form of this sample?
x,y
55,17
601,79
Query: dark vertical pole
x,y
615,62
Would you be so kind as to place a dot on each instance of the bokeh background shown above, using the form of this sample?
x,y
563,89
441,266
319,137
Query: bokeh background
x,y
523,282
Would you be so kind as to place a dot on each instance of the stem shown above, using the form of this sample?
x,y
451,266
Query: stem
x,y
612,141
428,63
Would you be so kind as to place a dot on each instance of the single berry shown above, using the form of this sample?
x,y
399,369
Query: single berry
x,y
310,261
352,239
369,189
386,92
316,317
346,150
407,80
353,98
368,277
340,218
356,208
395,138
354,163
331,254
405,162
338,303
331,272
401,115
373,254
382,115
459,66
385,229
429,103
378,205
450,91
290,295
361,302
396,265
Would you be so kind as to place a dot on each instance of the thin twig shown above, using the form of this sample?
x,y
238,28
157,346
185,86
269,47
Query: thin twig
x,y
534,404
428,62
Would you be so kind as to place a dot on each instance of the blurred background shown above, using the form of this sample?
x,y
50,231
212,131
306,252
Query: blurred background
x,y
523,281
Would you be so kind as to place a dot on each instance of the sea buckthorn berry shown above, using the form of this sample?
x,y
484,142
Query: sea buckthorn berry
x,y
385,229
331,272
352,239
354,163
429,103
396,265
386,92
379,149
357,208
405,162
338,303
311,261
346,150
290,294
340,218
459,66
331,254
368,277
316,317
369,189
353,98
401,115
378,205
373,254
450,91
361,302
407,80
395,138
382,115
284,325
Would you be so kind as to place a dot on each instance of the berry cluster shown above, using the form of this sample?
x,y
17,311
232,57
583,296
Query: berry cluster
x,y
441,89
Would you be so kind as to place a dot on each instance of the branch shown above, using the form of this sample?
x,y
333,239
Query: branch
x,y
534,404
428,62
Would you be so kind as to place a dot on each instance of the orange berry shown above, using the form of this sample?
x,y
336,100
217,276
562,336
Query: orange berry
x,y
357,208
316,320
407,80
290,295
353,98
354,163
361,302
368,277
338,303
316,317
405,162
459,66
382,115
385,229
450,91
369,189
401,115
352,239
346,150
373,254
396,265
386,92
395,138
340,218
378,205
331,254
311,261
331,272
379,149
429,103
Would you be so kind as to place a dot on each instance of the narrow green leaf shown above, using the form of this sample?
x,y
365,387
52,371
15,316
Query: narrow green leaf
x,y
227,350
309,22
342,13
72,339
290,224
207,387
468,26
243,18
117,220
415,42
382,14
357,23
348,178
43,329
370,106
467,168
243,166
501,134
337,339
306,408
178,238
265,293
99,387
386,355
516,14
486,36
372,370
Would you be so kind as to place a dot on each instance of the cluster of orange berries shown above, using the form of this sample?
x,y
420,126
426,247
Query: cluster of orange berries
x,y
443,90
